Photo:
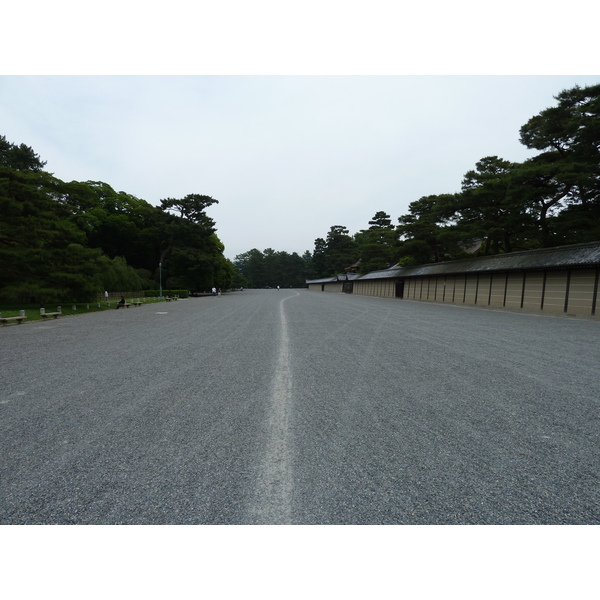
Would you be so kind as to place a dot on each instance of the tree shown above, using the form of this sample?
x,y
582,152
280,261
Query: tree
x,y
19,158
291,271
490,207
44,256
190,250
192,207
544,184
117,275
563,182
237,279
378,243
252,267
428,235
341,250
318,265
69,240
307,266
192,259
271,268
116,222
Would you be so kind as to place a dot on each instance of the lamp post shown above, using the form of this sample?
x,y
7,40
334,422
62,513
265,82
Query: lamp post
x,y
160,278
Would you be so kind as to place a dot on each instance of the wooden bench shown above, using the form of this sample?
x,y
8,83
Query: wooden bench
x,y
168,299
45,315
6,320
136,303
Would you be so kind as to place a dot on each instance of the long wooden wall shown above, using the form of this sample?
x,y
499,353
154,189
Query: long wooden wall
x,y
572,292
385,288
334,286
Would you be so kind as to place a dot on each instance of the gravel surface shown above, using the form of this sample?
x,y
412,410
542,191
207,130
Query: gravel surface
x,y
300,407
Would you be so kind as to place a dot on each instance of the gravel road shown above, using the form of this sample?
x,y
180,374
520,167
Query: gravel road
x,y
297,407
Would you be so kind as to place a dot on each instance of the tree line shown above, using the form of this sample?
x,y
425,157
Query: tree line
x,y
64,241
70,240
551,199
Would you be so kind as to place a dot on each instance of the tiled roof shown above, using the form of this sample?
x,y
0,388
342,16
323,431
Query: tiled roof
x,y
384,274
561,257
324,280
340,277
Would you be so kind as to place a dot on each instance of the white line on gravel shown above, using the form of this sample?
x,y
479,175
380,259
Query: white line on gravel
x,y
272,504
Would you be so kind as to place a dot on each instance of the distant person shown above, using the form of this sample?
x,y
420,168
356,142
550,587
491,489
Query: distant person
x,y
277,288
219,293
106,296
121,302
214,291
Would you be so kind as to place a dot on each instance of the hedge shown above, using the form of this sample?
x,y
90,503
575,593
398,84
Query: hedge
x,y
156,293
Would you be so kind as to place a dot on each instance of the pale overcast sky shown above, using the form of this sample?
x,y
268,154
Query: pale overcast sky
x,y
286,156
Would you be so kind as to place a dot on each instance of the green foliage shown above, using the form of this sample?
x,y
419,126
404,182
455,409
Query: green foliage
x,y
270,269
378,244
341,250
43,254
65,242
562,184
223,273
145,277
117,275
192,207
427,233
170,293
318,263
237,279
19,158
491,208
69,241
550,199
251,267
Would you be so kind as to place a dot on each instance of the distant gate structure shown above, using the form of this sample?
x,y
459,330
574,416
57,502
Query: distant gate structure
x,y
561,280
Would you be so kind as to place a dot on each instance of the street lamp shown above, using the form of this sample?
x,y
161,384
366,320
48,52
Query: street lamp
x,y
160,278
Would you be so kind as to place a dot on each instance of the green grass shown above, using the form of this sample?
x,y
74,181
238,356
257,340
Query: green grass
x,y
32,311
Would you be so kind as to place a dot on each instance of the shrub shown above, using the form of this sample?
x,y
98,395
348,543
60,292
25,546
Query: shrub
x,y
155,293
